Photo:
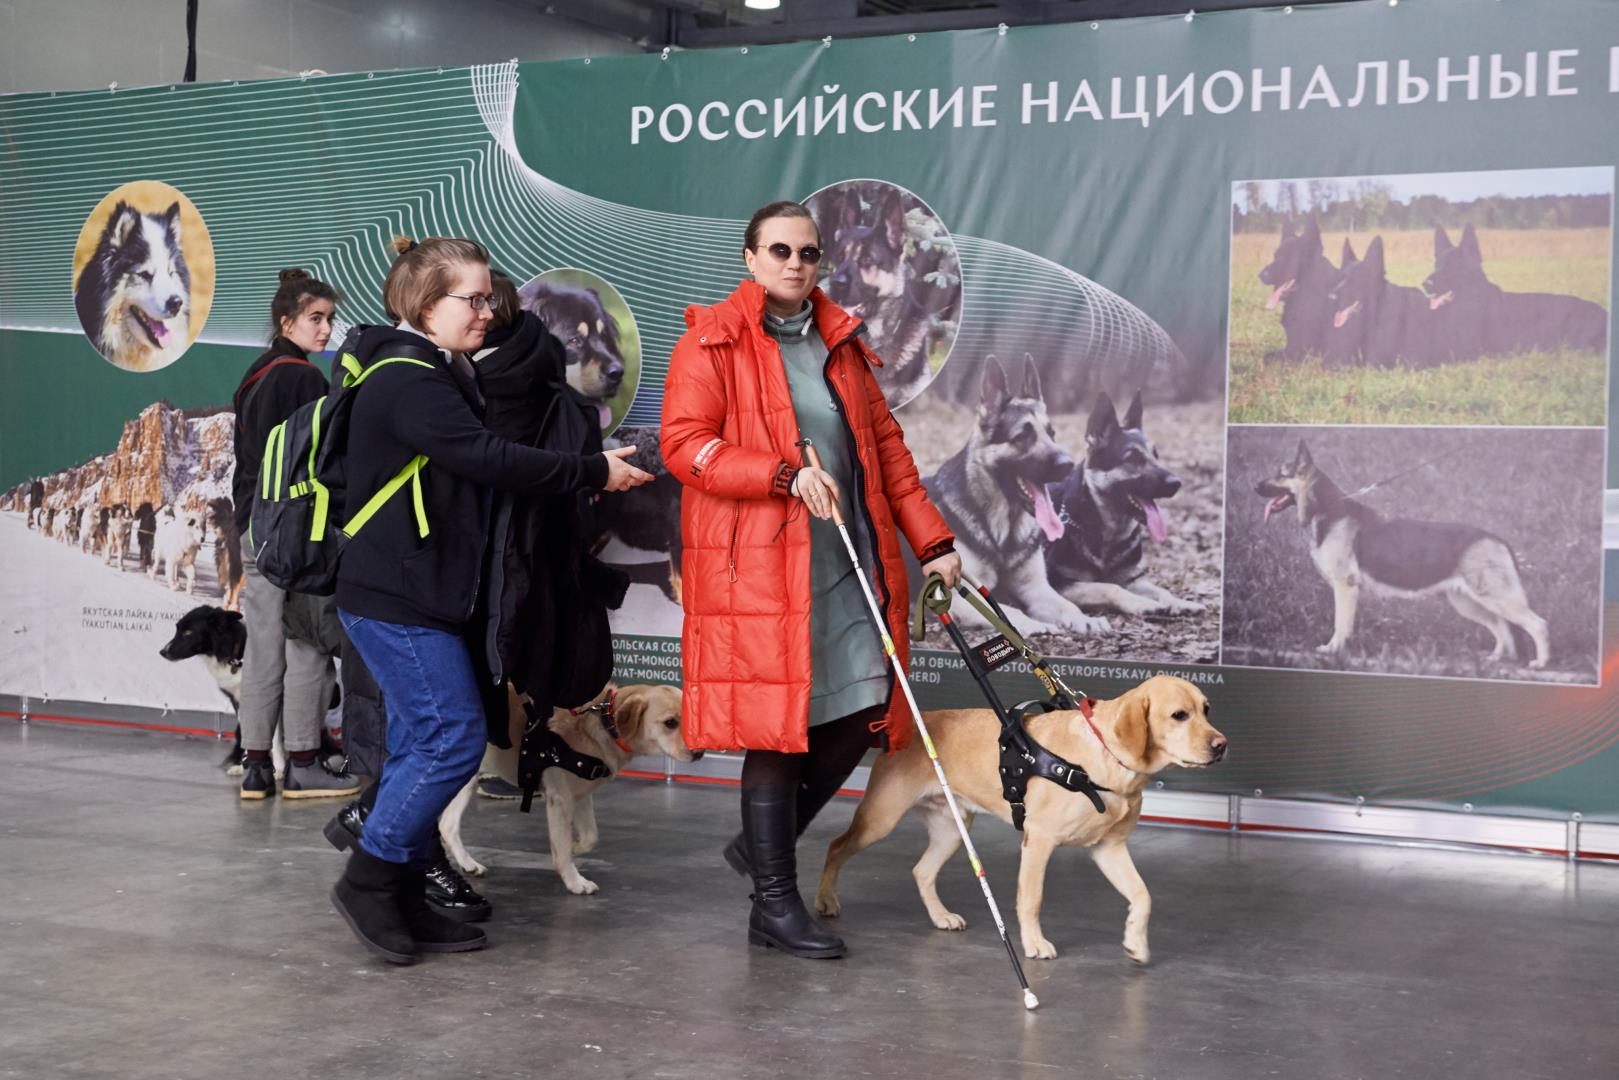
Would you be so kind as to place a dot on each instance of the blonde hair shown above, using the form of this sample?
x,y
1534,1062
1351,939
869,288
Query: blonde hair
x,y
424,272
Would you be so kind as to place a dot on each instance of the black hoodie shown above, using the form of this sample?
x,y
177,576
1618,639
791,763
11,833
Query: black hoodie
x,y
388,571
261,406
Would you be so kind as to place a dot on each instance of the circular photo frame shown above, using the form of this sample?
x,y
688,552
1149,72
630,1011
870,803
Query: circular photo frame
x,y
598,332
890,260
143,276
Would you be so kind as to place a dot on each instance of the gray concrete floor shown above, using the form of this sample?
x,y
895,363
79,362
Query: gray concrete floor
x,y
152,925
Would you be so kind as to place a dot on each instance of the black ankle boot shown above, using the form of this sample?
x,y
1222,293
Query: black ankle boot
x,y
452,896
343,831
368,896
779,919
812,798
431,931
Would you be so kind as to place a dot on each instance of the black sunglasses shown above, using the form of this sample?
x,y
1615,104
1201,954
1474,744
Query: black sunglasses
x,y
809,254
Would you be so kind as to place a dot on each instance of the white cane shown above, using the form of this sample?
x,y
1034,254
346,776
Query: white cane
x,y
1029,1000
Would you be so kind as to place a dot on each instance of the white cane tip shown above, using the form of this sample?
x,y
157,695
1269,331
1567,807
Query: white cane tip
x,y
1030,1002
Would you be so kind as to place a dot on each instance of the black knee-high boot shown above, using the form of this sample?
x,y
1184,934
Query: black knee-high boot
x,y
779,918
811,798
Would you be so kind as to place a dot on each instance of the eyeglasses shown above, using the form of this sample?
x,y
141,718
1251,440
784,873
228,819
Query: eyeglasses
x,y
809,254
478,301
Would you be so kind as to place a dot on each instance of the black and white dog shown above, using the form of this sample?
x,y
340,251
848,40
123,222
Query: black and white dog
x,y
134,295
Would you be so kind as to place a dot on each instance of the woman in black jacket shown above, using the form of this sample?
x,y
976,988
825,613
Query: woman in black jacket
x,y
285,681
409,583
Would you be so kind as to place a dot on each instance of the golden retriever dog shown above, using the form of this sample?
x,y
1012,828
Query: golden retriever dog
x,y
647,719
1162,722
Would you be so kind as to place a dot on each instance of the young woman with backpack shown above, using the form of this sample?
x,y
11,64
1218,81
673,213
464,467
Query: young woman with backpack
x,y
284,680
408,585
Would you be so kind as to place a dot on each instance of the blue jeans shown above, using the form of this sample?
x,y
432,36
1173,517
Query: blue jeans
x,y
436,731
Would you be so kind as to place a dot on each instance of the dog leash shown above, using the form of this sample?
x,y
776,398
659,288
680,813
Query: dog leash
x,y
608,710
1022,758
1404,472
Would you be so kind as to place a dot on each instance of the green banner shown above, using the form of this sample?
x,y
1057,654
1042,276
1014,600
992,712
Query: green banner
x,y
1268,348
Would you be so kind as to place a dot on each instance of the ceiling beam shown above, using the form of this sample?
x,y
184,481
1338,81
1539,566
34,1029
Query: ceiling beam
x,y
1011,12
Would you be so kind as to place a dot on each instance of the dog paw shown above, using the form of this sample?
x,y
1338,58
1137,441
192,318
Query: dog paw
x,y
234,770
1088,624
950,921
472,866
581,886
1139,952
1039,949
827,904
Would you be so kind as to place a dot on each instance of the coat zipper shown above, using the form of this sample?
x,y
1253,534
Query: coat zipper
x,y
736,527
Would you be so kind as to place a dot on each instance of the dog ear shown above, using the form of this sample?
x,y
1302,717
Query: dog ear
x,y
1312,232
1374,257
1131,731
1349,258
1441,241
1031,379
123,221
628,716
1104,422
233,616
1287,225
1303,457
992,388
1132,415
1469,244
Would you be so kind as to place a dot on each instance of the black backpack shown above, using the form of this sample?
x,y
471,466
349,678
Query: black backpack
x,y
295,532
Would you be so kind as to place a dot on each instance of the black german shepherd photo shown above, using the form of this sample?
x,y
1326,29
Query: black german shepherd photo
x,y
1521,299
1384,324
1300,278
1477,318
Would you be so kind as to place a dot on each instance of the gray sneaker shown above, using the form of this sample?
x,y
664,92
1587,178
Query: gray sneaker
x,y
317,781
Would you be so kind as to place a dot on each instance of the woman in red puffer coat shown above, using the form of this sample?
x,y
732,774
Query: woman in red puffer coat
x,y
779,652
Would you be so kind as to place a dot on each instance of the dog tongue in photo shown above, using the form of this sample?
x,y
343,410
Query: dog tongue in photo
x,y
604,415
1155,520
1278,294
1045,515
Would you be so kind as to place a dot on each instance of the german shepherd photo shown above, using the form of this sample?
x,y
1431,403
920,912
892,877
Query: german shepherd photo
x,y
995,496
1358,549
1474,317
1089,538
598,333
143,276
889,260
1108,507
1300,278
1383,324
1508,325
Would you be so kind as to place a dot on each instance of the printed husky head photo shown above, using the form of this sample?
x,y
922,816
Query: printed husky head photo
x,y
138,291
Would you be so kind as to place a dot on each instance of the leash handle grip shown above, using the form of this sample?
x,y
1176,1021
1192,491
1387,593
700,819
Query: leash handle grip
x,y
814,458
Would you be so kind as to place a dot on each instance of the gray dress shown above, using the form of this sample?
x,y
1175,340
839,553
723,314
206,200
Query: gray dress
x,y
848,669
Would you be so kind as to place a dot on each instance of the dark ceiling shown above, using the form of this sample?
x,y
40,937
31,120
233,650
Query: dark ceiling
x,y
654,24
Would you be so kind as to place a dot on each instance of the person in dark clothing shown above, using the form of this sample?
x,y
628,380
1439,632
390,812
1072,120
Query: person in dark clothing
x,y
409,585
284,680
